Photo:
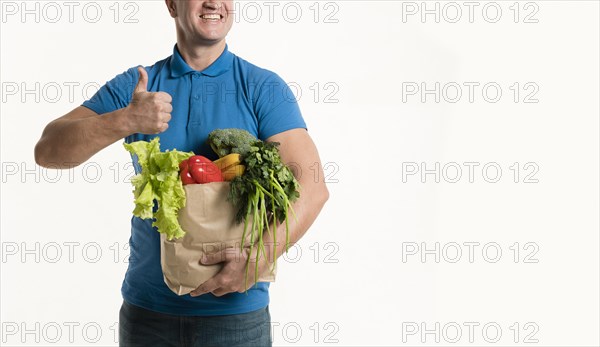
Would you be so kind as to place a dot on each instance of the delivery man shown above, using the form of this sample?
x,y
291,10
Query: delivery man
x,y
202,86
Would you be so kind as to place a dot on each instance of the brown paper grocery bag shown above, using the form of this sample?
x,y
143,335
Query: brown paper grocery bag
x,y
208,219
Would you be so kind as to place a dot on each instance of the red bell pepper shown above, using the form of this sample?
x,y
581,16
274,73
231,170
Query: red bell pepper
x,y
205,172
199,169
198,159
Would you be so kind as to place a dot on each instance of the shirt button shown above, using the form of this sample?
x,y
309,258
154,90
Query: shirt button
x,y
196,97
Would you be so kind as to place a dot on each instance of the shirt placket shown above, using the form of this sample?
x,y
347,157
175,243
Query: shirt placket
x,y
195,100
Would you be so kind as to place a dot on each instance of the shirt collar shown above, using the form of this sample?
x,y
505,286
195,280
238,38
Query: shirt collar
x,y
179,67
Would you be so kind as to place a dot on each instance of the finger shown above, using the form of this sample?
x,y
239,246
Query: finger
x,y
165,117
167,108
206,287
163,128
142,85
214,258
220,292
166,97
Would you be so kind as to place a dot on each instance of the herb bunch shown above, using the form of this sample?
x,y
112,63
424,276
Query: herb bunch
x,y
264,194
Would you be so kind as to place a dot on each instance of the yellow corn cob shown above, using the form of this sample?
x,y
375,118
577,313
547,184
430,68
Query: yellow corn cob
x,y
228,161
233,171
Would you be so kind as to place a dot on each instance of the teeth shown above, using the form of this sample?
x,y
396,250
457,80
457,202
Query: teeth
x,y
211,16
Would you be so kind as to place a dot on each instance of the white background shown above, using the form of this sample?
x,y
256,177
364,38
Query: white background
x,y
356,281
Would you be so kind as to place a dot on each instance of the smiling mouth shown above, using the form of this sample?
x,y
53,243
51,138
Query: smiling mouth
x,y
211,16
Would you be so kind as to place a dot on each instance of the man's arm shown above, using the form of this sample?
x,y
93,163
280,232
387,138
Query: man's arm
x,y
73,138
297,150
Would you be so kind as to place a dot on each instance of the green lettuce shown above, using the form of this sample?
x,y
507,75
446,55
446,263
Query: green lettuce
x,y
158,181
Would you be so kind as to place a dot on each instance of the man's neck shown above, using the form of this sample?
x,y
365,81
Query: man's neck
x,y
200,57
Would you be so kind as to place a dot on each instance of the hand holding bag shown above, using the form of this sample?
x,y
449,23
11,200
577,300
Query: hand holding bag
x,y
209,221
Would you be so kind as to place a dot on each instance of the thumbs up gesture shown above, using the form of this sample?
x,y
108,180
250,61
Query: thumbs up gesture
x,y
149,112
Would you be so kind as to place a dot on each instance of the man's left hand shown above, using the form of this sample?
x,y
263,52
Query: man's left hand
x,y
232,277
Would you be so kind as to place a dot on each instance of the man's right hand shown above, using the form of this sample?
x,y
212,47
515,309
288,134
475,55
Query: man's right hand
x,y
148,112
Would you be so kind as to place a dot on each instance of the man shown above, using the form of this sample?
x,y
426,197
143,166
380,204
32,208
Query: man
x,y
201,87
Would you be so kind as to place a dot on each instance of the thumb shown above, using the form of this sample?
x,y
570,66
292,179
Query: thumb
x,y
142,84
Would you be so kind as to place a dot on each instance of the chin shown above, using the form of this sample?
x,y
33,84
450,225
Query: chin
x,y
208,39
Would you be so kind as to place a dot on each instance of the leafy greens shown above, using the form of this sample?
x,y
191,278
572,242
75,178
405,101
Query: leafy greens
x,y
158,180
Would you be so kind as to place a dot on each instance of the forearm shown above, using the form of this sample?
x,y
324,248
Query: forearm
x,y
72,139
297,148
68,142
312,199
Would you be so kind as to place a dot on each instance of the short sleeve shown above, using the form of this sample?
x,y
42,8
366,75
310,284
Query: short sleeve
x,y
115,94
276,108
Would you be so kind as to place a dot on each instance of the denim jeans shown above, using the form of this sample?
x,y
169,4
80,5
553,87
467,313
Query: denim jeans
x,y
144,328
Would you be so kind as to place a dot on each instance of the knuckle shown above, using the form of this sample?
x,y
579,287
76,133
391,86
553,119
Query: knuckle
x,y
226,282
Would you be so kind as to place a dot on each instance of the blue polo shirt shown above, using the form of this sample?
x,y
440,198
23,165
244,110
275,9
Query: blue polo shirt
x,y
230,93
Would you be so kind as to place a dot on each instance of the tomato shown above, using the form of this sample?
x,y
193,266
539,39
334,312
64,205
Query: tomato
x,y
205,172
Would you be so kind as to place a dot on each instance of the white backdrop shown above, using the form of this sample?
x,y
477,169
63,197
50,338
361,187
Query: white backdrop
x,y
468,220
